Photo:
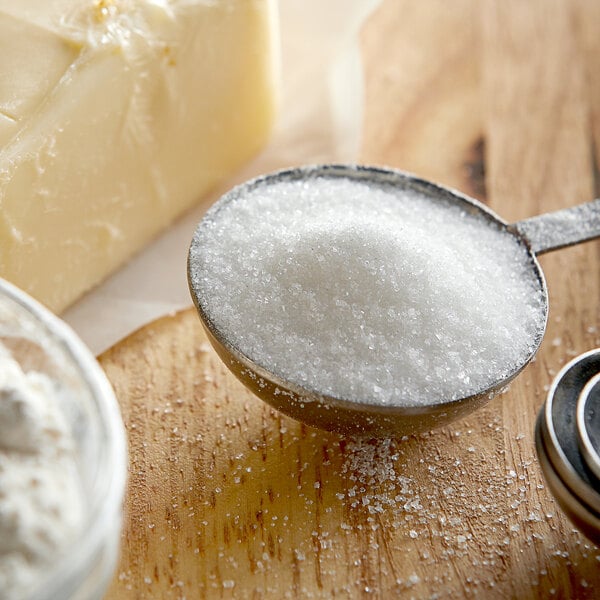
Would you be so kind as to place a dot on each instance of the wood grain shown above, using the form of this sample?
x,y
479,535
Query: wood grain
x,y
228,499
423,108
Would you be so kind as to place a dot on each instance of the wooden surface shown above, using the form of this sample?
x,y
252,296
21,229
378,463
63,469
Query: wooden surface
x,y
229,499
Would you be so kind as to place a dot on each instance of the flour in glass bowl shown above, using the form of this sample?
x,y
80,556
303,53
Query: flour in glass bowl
x,y
41,506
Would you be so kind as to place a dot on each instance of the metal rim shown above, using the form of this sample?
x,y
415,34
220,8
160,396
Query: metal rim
x,y
583,516
568,474
588,450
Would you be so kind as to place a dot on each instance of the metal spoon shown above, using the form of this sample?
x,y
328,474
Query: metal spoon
x,y
559,447
538,235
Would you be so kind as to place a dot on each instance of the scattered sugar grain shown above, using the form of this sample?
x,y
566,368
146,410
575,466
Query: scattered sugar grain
x,y
372,294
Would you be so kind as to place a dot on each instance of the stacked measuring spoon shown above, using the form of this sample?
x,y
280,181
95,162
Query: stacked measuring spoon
x,y
568,441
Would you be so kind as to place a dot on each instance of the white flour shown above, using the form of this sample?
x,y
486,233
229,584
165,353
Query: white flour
x,y
41,506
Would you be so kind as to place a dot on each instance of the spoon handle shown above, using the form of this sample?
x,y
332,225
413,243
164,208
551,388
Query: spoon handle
x,y
561,228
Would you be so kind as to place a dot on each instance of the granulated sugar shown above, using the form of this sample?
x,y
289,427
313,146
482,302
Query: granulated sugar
x,y
372,294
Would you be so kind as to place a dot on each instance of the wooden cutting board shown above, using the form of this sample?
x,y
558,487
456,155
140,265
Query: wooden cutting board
x,y
228,499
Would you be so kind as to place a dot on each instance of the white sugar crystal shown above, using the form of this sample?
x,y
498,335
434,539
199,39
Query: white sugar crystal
x,y
367,293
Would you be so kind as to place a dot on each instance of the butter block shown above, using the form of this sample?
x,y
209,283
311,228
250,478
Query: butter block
x,y
116,117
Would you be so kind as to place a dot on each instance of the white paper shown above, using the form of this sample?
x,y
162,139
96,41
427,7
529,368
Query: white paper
x,y
320,122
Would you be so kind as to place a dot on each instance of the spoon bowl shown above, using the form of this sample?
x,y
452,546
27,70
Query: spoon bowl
x,y
309,406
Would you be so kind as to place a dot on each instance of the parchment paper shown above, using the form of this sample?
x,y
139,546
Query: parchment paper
x,y
320,121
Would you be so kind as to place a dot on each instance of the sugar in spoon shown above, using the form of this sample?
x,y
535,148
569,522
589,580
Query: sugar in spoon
x,y
319,406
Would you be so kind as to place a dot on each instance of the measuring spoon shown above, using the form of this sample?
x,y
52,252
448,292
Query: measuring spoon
x,y
588,425
558,437
538,235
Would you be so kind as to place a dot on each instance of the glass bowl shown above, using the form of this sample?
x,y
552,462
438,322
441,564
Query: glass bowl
x,y
40,341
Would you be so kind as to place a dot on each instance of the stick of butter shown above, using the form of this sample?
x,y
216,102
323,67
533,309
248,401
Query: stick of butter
x,y
115,117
